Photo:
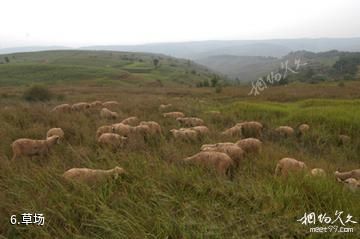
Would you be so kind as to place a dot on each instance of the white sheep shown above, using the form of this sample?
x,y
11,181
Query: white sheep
x,y
96,104
285,131
63,108
184,134
163,107
104,129
250,145
81,106
221,162
232,150
154,127
131,121
108,114
350,174
190,121
318,172
173,115
111,139
289,165
251,129
31,147
92,176
55,131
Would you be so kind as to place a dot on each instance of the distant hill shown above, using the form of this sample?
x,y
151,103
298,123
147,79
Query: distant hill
x,y
274,47
99,67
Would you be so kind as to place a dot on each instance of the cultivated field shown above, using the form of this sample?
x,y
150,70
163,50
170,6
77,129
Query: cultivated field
x,y
162,198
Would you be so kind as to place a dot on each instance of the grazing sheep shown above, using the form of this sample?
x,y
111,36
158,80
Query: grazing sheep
x,y
234,131
108,114
285,131
344,139
122,129
251,129
55,131
221,162
63,108
111,139
234,152
142,130
352,184
131,121
82,106
318,172
31,147
104,129
110,104
163,107
302,129
201,130
96,104
250,145
288,165
155,128
350,174
92,176
185,134
190,121
174,115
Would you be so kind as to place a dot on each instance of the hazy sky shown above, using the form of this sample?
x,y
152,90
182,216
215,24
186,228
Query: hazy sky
x,y
90,22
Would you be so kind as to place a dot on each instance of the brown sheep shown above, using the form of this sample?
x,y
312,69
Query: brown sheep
x,y
302,129
108,114
111,104
111,139
289,165
318,172
221,162
190,121
163,107
92,176
250,145
122,129
104,129
96,104
63,108
131,121
154,127
142,130
344,139
31,147
234,131
285,131
82,106
234,152
201,130
174,115
55,131
251,129
185,134
350,174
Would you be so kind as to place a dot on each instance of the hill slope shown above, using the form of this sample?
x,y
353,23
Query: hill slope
x,y
100,66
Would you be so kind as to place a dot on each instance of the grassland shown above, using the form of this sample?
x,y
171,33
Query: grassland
x,y
161,198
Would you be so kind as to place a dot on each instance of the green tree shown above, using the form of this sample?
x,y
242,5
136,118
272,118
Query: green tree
x,y
7,60
156,62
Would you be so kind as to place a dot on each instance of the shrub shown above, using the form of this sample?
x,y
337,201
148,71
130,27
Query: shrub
x,y
37,93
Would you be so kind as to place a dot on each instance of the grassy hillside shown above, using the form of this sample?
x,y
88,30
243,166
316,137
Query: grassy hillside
x,y
161,198
100,67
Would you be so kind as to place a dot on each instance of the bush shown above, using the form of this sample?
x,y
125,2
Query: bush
x,y
37,93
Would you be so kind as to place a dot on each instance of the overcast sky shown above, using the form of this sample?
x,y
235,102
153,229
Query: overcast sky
x,y
99,22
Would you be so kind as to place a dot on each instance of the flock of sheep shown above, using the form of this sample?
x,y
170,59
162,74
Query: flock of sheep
x,y
224,157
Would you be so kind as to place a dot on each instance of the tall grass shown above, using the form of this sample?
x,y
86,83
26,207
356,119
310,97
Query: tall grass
x,y
161,198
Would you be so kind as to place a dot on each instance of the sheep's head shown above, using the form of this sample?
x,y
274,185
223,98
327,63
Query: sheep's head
x,y
54,138
117,171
